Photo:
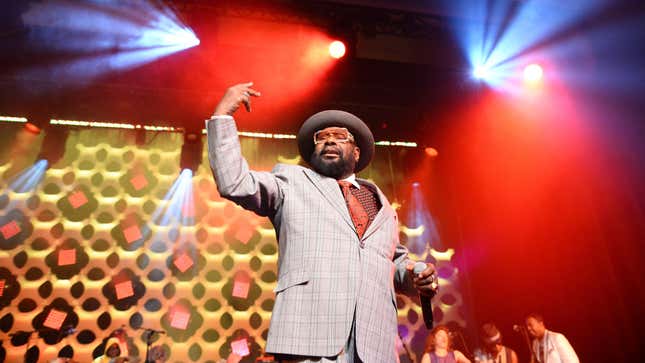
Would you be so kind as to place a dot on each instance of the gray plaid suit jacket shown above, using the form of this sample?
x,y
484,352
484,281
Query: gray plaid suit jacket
x,y
325,277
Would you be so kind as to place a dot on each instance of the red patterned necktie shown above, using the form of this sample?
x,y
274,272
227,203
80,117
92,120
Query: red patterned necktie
x,y
356,209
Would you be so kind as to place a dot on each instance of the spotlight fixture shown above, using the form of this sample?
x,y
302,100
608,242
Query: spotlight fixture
x,y
481,72
32,128
533,73
191,152
337,49
53,146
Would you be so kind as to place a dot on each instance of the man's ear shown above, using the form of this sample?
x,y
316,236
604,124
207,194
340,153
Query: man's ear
x,y
357,153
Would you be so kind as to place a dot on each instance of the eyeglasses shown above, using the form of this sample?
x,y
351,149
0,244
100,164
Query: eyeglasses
x,y
338,134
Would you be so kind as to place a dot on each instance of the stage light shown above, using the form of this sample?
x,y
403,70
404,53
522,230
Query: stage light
x,y
53,146
191,152
336,49
32,128
481,72
431,152
178,206
13,119
533,73
107,35
28,180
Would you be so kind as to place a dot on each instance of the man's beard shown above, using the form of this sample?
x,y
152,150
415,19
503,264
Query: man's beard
x,y
333,168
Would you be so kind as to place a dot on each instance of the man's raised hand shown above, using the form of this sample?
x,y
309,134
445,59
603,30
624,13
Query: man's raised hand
x,y
234,96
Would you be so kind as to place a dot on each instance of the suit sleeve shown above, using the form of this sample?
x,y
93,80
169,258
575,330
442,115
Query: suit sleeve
x,y
402,280
260,192
565,350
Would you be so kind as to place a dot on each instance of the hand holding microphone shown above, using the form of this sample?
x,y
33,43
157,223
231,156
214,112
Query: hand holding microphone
x,y
425,280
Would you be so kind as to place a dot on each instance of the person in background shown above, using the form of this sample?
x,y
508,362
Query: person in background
x,y
112,353
548,346
439,348
493,350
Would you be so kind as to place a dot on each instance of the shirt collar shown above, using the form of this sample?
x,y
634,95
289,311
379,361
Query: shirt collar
x,y
352,179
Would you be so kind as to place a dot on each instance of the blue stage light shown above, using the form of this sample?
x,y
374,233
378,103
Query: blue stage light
x,y
103,37
28,180
501,37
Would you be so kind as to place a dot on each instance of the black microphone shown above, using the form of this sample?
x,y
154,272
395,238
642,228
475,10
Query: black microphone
x,y
153,331
426,305
518,328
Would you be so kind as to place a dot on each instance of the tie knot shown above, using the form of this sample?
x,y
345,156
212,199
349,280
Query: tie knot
x,y
345,184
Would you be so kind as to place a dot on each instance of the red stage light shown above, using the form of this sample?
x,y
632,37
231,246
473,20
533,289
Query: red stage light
x,y
55,319
240,347
183,262
431,152
124,289
66,257
241,286
10,229
77,199
533,73
32,128
139,182
179,318
2,287
336,49
132,233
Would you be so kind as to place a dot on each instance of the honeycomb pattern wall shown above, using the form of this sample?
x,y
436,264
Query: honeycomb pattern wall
x,y
94,247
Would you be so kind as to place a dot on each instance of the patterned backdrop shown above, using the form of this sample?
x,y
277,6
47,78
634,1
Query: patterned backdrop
x,y
110,236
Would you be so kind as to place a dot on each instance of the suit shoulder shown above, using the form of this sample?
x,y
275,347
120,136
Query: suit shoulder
x,y
288,171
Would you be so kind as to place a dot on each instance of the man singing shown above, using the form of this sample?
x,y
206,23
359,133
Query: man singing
x,y
339,253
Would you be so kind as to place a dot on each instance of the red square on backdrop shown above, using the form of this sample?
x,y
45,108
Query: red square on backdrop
x,y
139,182
10,229
77,199
241,287
55,319
240,347
66,257
1,287
183,262
124,289
179,319
244,233
132,233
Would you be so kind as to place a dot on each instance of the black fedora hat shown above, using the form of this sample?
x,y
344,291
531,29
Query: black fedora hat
x,y
362,135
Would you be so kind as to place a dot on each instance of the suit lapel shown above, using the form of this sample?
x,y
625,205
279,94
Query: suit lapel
x,y
330,190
